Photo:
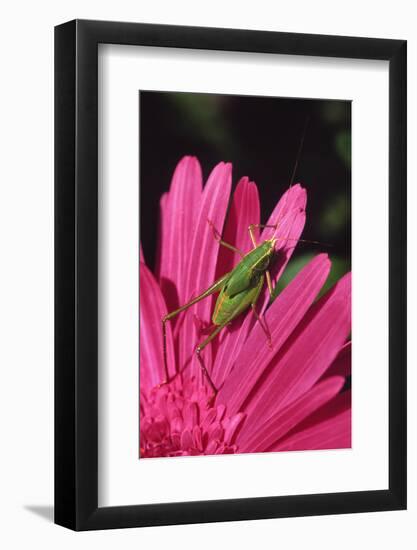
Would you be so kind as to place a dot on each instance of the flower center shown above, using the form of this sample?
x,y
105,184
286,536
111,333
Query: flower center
x,y
177,420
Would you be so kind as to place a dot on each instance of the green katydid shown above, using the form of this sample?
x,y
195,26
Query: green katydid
x,y
238,290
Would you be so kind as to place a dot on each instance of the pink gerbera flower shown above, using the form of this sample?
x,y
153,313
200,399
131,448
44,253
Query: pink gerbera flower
x,y
286,398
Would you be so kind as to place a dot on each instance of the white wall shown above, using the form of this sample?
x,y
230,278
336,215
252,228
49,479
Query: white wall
x,y
26,276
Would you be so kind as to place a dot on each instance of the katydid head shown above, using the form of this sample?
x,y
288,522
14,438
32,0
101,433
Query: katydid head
x,y
271,242
271,251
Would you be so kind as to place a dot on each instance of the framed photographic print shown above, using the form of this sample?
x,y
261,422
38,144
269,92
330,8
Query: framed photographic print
x,y
230,275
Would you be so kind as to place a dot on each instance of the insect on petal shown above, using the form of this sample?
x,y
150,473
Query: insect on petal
x,y
244,211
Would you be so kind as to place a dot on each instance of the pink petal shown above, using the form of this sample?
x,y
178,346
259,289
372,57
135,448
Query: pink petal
x,y
152,309
179,217
294,199
262,437
342,365
328,428
308,353
232,427
163,234
244,211
282,317
286,215
337,405
141,256
230,344
201,265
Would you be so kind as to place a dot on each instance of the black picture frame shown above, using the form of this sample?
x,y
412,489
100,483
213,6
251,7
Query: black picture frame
x,y
76,271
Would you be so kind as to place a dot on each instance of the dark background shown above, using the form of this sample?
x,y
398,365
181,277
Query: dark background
x,y
261,136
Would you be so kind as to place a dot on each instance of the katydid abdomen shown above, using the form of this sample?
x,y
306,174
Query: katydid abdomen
x,y
246,273
229,307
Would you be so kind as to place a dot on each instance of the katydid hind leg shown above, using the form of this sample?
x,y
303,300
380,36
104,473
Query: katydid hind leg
x,y
215,287
260,320
269,283
263,326
198,351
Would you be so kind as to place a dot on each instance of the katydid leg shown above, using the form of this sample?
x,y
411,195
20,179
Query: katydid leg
x,y
198,351
256,314
269,282
218,238
263,326
215,287
257,226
